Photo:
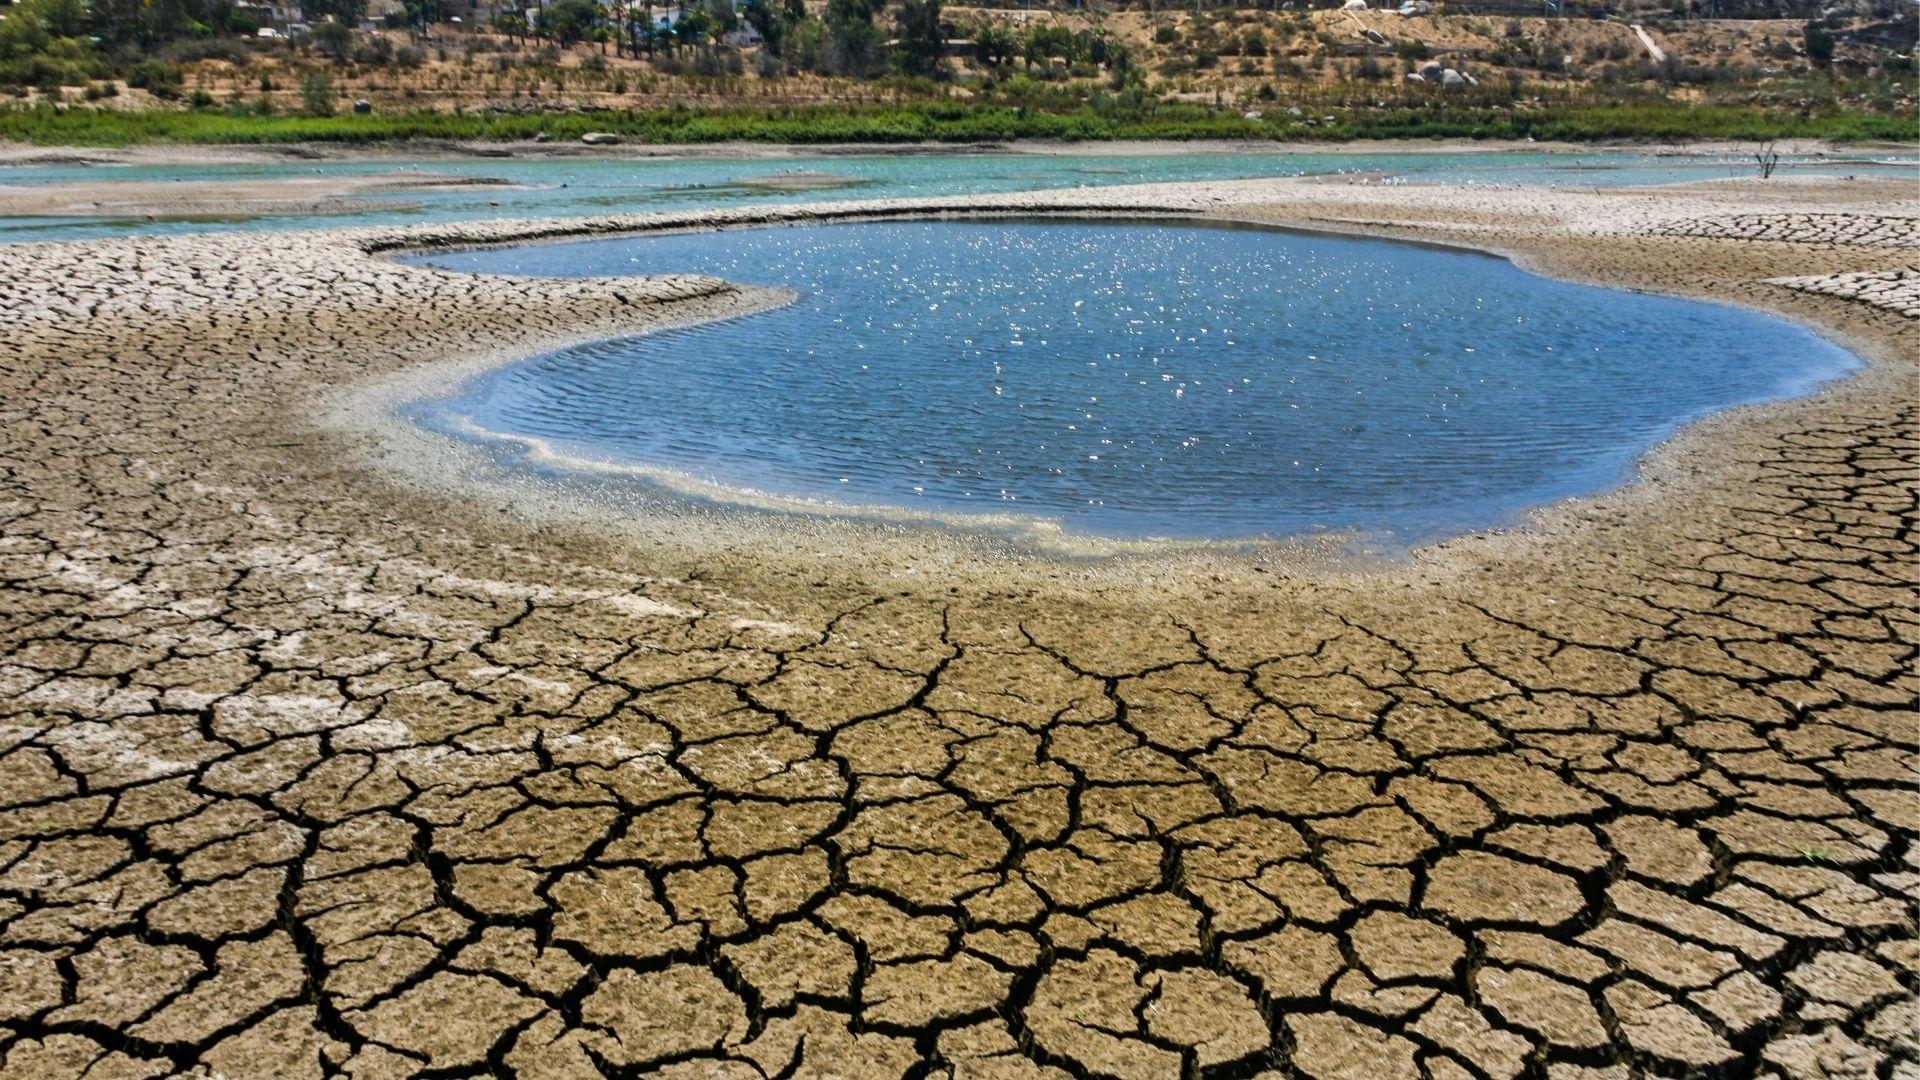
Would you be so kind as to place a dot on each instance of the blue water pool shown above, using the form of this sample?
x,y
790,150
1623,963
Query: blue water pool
x,y
1133,379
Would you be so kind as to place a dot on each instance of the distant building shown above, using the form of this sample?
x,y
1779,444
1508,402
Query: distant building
x,y
273,14
956,47
384,13
665,16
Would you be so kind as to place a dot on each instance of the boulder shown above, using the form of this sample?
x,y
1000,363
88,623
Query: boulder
x,y
599,138
363,106
1450,77
1414,76
542,136
1430,70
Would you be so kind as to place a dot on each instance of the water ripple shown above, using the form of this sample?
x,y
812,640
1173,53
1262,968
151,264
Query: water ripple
x,y
1137,379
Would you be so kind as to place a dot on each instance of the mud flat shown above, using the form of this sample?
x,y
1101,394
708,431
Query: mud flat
x,y
335,748
229,198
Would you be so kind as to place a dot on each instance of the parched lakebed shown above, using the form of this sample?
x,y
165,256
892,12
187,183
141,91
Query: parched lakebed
x,y
331,752
1128,379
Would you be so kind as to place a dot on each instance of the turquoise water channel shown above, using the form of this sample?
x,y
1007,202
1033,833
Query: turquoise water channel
x,y
1129,379
562,187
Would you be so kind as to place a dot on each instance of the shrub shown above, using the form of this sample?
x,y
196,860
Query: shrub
x,y
333,39
374,49
220,48
316,93
160,80
1819,44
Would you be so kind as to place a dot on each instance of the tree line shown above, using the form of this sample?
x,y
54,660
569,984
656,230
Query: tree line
x,y
846,38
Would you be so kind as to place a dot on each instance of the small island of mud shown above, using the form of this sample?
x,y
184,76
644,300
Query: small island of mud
x,y
233,199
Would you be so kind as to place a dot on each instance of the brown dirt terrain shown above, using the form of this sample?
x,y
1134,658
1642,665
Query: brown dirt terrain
x,y
1308,58
320,755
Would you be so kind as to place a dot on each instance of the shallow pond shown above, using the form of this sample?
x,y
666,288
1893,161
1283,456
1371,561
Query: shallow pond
x,y
1133,379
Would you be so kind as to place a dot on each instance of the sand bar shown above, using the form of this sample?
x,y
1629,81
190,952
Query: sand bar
x,y
230,198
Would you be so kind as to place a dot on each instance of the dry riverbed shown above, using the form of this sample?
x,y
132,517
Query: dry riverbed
x,y
330,748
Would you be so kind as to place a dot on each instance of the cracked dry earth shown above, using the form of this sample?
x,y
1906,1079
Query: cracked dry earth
x,y
307,769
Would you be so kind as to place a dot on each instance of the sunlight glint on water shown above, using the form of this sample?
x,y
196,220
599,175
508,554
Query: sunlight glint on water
x,y
1138,379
